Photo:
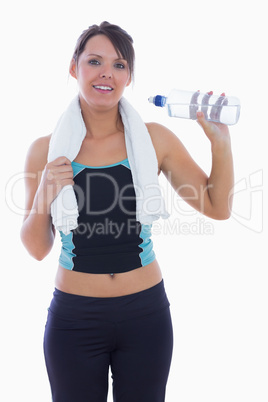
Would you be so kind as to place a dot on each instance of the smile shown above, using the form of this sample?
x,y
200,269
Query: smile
x,y
103,87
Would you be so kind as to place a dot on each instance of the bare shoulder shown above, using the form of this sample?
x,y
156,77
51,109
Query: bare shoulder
x,y
158,132
36,158
165,142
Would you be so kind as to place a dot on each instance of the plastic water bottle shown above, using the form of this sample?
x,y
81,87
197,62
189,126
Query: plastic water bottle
x,y
185,104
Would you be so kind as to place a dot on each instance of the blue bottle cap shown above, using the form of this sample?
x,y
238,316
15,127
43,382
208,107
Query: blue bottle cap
x,y
160,100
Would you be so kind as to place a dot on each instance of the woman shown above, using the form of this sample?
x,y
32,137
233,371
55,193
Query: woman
x,y
109,307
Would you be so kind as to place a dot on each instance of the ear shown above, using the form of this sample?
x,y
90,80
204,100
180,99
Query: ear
x,y
129,81
72,69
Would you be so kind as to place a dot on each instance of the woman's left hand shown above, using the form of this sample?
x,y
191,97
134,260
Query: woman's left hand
x,y
214,131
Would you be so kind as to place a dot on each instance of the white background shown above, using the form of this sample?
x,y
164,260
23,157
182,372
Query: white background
x,y
215,272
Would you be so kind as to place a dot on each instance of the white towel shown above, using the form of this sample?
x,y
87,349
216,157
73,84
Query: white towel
x,y
66,141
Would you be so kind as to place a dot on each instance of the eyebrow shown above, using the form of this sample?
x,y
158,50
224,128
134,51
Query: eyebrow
x,y
98,55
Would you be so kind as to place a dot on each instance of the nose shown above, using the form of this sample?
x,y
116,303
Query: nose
x,y
106,72
106,75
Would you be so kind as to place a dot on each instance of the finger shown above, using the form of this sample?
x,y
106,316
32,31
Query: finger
x,y
59,164
200,117
201,120
224,103
56,172
194,105
217,107
60,179
53,171
61,160
67,182
62,168
64,176
205,102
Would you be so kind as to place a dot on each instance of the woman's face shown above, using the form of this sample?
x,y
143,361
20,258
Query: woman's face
x,y
101,74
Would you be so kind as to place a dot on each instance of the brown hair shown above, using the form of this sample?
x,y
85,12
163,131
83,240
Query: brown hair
x,y
121,40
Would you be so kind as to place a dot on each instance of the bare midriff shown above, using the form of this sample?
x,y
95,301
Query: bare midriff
x,y
106,285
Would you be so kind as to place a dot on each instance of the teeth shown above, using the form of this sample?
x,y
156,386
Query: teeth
x,y
103,87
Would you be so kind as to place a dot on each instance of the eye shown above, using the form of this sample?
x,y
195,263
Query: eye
x,y
94,62
121,66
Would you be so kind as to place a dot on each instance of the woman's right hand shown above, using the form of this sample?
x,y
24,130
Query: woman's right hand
x,y
43,182
56,175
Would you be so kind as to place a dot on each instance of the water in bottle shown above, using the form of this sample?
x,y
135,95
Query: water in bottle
x,y
185,104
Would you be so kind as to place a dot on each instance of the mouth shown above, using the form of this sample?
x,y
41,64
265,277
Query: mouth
x,y
103,88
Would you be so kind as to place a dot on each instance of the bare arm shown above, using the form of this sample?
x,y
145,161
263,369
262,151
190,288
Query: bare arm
x,y
209,195
221,179
43,182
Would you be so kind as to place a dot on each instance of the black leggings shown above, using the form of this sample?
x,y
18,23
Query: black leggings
x,y
132,334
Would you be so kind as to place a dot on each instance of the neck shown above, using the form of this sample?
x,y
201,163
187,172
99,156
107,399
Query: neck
x,y
101,123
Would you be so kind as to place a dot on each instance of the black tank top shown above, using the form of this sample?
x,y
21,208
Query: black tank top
x,y
108,238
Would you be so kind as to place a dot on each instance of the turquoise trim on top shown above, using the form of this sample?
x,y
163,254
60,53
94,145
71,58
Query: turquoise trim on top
x,y
78,167
101,167
147,255
66,256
